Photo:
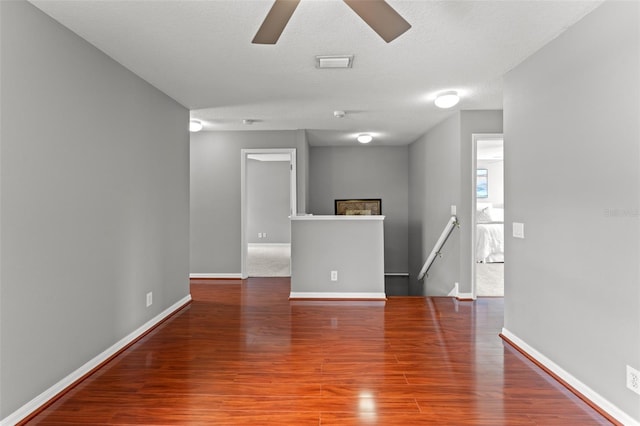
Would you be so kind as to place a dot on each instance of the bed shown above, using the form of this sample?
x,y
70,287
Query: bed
x,y
489,234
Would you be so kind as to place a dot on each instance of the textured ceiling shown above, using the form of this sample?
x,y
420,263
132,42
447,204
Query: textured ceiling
x,y
200,53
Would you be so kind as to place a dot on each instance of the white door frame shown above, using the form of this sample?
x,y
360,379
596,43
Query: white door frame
x,y
244,153
475,137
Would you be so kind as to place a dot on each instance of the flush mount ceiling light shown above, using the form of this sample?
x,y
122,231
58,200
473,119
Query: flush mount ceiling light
x,y
195,126
341,61
338,114
248,121
364,138
447,99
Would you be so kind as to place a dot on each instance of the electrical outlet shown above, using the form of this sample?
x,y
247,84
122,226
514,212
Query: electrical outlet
x,y
334,275
633,379
149,299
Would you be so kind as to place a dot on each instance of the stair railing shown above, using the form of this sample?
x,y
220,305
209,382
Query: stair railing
x,y
446,232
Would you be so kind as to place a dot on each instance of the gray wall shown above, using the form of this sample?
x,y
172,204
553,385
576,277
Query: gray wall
x,y
268,201
215,193
353,247
302,176
573,178
94,203
365,172
434,185
441,167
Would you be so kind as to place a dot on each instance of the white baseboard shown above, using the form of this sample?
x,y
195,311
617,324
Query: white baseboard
x,y
585,390
270,244
218,276
322,295
455,292
464,296
37,402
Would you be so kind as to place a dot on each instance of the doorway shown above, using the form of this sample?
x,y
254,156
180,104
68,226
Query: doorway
x,y
488,215
268,198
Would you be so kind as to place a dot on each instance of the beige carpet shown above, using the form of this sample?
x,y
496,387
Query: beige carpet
x,y
490,279
269,260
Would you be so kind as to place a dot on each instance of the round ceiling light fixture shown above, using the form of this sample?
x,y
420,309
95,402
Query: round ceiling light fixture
x,y
364,138
195,125
447,99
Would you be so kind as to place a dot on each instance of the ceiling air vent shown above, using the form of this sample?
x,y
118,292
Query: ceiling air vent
x,y
342,61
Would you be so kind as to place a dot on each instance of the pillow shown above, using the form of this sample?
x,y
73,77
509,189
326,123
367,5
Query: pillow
x,y
497,215
483,215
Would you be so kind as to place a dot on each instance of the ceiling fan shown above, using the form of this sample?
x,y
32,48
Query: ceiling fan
x,y
381,17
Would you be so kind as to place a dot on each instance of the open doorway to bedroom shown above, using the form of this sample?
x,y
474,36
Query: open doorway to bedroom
x,y
488,238
268,200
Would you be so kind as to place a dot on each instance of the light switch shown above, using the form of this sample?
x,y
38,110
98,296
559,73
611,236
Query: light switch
x,y
453,210
518,230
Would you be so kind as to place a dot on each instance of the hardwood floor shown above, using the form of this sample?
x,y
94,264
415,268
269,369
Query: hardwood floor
x,y
242,353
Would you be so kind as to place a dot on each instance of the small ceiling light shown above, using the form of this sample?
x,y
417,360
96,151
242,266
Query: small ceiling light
x,y
338,114
195,126
364,138
447,99
248,121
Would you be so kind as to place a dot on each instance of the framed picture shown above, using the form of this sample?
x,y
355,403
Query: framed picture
x,y
482,183
364,207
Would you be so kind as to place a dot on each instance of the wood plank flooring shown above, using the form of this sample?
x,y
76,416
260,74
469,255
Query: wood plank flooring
x,y
242,353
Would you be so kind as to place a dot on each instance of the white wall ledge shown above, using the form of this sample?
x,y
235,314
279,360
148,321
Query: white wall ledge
x,y
338,217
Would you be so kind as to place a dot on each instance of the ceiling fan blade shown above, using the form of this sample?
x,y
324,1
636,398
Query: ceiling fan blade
x,y
381,17
276,20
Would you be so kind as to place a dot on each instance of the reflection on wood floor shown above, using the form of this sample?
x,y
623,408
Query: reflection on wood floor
x,y
242,353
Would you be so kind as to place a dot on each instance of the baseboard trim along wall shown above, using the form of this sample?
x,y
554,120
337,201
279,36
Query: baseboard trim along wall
x,y
323,295
455,292
64,385
582,391
216,276
464,296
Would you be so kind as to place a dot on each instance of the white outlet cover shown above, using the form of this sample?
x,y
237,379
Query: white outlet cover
x,y
149,299
633,379
518,230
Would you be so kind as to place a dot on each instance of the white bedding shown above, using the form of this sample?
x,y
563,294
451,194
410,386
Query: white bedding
x,y
490,242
